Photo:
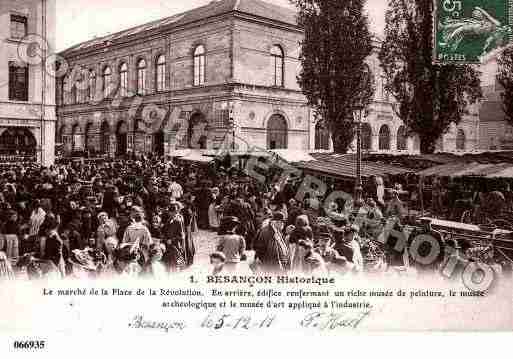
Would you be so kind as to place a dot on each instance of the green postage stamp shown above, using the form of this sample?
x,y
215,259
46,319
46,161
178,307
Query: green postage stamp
x,y
466,30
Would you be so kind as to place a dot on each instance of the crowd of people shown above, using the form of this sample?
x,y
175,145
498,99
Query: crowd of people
x,y
145,217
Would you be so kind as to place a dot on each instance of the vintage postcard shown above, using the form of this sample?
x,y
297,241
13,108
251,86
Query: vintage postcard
x,y
294,170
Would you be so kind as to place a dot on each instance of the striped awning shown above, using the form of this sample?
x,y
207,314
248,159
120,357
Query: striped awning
x,y
344,166
472,169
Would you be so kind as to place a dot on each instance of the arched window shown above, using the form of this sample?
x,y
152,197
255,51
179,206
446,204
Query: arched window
x,y
122,138
78,138
460,140
161,73
199,65
89,137
402,137
384,138
123,80
322,137
92,85
17,141
366,137
277,132
277,58
107,79
141,77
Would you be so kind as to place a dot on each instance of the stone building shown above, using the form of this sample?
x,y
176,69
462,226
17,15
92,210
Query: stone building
x,y
222,75
27,90
495,133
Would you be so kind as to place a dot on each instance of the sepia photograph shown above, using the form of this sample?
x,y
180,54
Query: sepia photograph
x,y
175,168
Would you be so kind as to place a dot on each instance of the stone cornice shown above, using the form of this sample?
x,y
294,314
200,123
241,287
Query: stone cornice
x,y
167,30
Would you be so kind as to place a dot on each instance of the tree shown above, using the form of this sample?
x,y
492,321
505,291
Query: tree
x,y
430,97
505,79
334,76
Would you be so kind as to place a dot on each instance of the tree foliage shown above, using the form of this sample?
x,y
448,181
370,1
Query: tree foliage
x,y
505,79
429,96
334,76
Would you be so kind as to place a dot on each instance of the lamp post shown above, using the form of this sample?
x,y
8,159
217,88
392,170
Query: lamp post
x,y
357,115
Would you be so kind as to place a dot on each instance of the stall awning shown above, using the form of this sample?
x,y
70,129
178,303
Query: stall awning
x,y
473,169
293,156
196,157
344,166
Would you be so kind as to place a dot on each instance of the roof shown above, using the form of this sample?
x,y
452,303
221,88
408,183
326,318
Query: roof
x,y
425,161
257,8
344,166
463,169
293,156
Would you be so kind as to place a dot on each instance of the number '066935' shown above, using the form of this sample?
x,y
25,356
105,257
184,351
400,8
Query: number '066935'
x,y
29,344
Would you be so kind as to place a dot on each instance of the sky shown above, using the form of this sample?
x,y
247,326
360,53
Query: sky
x,y
81,20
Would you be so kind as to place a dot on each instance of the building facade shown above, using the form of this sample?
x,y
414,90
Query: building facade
x,y
27,89
495,133
223,75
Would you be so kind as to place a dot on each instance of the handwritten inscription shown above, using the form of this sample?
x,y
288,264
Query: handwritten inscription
x,y
331,321
139,322
244,322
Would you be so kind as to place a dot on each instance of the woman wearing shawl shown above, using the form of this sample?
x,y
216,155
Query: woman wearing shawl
x,y
37,218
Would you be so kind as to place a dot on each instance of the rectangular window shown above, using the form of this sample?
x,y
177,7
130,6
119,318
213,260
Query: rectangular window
x,y
148,146
278,71
221,118
199,70
141,81
18,26
161,77
92,87
124,84
18,82
130,141
384,92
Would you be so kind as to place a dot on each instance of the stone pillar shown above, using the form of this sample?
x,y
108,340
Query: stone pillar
x,y
374,142
167,54
138,147
150,71
114,84
112,145
393,141
132,75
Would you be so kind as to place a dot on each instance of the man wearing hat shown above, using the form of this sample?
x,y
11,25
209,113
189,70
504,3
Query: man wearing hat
x,y
270,246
